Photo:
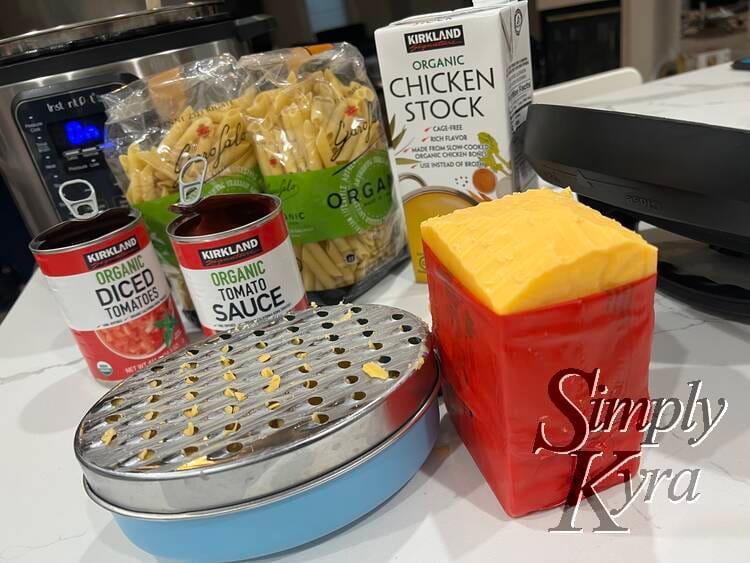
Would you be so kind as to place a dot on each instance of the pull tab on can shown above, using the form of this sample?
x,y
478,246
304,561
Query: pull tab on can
x,y
190,190
82,207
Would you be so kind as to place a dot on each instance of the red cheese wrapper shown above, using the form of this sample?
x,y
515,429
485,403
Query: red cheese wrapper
x,y
496,372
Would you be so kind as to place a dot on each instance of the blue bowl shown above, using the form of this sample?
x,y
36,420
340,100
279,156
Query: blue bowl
x,y
293,518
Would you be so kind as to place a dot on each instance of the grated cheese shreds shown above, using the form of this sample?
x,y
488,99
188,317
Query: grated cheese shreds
x,y
345,317
273,385
374,370
193,463
109,435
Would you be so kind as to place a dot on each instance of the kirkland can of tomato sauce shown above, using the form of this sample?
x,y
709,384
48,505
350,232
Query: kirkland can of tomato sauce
x,y
238,261
107,280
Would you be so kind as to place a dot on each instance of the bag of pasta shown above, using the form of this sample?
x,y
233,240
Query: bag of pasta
x,y
156,125
321,148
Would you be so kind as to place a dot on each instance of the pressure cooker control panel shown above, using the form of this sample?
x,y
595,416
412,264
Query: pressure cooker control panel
x,y
63,127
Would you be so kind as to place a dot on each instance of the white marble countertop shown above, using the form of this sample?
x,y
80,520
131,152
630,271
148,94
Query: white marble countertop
x,y
446,512
716,95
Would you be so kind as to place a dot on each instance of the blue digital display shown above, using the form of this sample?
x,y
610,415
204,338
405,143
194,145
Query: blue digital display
x,y
82,133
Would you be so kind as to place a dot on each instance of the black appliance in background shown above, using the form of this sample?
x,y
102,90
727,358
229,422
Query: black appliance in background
x,y
355,33
577,41
689,180
16,262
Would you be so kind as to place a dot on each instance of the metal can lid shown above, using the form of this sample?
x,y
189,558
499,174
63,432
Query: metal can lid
x,y
250,413
81,233
222,215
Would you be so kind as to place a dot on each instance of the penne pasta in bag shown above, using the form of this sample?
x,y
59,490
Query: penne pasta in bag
x,y
158,124
320,147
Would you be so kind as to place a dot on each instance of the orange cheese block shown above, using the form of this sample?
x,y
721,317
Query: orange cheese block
x,y
536,248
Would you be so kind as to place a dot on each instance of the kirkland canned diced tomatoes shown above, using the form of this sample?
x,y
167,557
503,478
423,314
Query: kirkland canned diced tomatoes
x,y
238,261
106,278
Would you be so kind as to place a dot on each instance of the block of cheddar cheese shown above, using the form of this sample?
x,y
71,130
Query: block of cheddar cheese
x,y
536,248
521,289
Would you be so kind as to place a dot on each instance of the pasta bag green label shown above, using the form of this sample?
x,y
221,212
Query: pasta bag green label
x,y
335,202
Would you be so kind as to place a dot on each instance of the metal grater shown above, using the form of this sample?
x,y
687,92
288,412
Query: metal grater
x,y
201,429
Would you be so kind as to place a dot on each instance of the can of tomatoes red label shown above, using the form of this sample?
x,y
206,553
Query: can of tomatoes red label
x,y
107,280
237,258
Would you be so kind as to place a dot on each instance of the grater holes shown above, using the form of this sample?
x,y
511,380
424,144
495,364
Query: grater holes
x,y
406,328
397,316
225,336
414,340
300,355
117,402
322,313
190,379
276,423
344,364
309,383
234,447
151,415
332,337
293,328
384,359
226,349
111,419
189,451
375,345
148,434
352,379
259,332
157,368
393,374
363,321
145,454
232,427
304,368
315,401
368,333
192,352
359,395
356,309
338,350
296,341
153,398
272,405
326,325
261,344
320,418
289,317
